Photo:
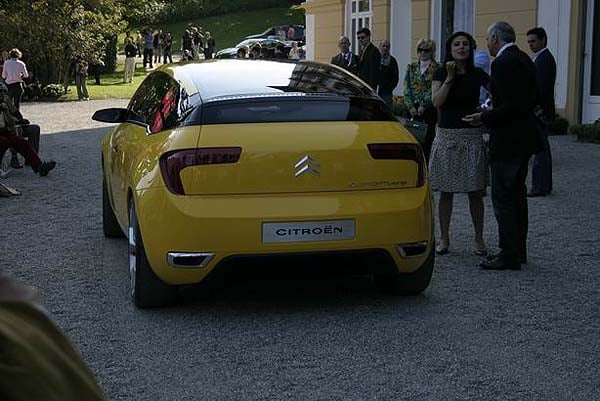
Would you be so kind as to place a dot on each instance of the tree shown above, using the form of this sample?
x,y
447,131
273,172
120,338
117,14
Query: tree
x,y
51,32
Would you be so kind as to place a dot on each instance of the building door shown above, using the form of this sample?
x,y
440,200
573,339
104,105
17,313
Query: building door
x,y
449,16
359,14
591,79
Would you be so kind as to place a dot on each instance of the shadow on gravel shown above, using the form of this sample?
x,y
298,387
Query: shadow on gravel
x,y
292,291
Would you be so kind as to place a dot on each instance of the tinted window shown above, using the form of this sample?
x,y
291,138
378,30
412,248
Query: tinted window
x,y
246,77
293,109
156,103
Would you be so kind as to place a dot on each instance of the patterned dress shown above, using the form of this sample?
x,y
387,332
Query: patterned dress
x,y
417,86
458,161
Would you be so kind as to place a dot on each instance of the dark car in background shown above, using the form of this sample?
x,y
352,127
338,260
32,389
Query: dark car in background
x,y
280,32
269,44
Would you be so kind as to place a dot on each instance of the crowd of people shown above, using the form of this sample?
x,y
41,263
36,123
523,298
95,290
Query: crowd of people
x,y
463,101
156,47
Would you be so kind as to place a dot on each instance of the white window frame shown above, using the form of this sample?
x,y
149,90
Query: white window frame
x,y
358,18
554,16
400,37
468,21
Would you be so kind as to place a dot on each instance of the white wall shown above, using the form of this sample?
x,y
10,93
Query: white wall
x,y
400,37
554,16
309,32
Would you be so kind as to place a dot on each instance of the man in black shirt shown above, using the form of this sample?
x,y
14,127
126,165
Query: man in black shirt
x,y
130,52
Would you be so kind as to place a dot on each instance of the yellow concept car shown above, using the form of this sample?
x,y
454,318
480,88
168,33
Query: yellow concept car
x,y
242,159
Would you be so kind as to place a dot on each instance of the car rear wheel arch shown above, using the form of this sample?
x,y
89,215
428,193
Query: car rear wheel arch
x,y
147,290
407,283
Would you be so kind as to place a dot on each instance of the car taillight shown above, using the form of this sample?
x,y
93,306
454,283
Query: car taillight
x,y
400,151
172,163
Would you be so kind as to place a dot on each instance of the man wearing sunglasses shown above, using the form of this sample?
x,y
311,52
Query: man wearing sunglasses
x,y
369,59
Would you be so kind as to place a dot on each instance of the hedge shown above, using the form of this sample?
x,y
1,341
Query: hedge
x,y
182,10
587,132
558,126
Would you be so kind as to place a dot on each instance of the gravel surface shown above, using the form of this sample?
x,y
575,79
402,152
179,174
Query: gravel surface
x,y
473,335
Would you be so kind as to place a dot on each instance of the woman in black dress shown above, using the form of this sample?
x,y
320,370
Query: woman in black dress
x,y
458,161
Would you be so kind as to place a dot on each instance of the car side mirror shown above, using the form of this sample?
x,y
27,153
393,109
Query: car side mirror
x,y
113,115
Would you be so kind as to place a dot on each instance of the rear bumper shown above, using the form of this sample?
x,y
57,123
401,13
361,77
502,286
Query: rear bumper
x,y
230,227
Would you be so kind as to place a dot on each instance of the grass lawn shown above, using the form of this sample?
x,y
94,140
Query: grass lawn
x,y
111,85
230,29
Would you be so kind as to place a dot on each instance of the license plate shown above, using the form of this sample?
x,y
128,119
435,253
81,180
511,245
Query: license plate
x,y
308,231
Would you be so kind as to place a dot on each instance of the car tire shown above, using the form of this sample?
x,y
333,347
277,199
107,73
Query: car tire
x,y
146,289
407,283
110,225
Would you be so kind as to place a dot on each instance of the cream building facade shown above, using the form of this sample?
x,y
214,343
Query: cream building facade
x,y
573,28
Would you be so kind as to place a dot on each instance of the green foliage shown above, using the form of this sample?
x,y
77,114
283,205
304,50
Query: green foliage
x,y
142,12
181,10
586,132
558,126
230,29
109,58
51,32
52,91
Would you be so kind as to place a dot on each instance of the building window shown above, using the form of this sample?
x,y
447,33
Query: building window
x,y
359,15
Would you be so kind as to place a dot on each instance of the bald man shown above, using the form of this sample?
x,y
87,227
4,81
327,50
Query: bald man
x,y
345,59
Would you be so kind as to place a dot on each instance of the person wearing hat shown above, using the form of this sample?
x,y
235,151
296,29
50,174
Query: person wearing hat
x,y
27,143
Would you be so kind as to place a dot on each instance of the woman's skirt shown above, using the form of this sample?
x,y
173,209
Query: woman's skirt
x,y
458,161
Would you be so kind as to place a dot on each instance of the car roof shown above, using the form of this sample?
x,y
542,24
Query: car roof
x,y
219,79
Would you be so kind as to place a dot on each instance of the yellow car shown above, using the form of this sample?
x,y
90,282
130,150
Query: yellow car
x,y
234,159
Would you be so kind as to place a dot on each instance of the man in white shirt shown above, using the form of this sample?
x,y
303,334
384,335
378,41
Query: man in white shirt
x,y
13,73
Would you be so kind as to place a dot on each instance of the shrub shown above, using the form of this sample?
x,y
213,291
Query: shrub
x,y
181,10
559,126
586,132
110,56
53,90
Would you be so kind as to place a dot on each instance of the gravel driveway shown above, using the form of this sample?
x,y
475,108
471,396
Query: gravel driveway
x,y
528,335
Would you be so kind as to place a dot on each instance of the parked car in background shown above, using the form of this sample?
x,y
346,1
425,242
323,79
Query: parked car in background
x,y
269,43
281,32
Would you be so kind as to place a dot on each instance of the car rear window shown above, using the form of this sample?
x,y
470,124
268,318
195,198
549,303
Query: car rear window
x,y
292,110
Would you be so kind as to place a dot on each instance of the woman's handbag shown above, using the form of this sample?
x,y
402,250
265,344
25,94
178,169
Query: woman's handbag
x,y
418,129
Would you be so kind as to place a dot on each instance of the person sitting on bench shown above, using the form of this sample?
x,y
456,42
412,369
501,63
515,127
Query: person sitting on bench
x,y
27,144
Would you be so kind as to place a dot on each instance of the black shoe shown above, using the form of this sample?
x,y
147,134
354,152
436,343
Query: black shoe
x,y
45,168
14,162
490,257
498,264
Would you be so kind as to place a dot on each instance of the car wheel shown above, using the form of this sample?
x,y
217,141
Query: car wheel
x,y
147,290
407,283
110,225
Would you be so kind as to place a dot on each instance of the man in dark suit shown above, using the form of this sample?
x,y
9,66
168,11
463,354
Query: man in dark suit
x,y
545,65
345,59
369,59
513,139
